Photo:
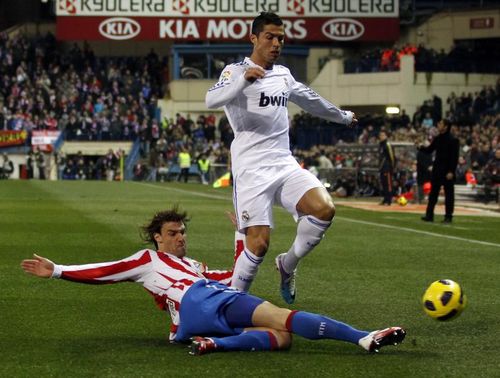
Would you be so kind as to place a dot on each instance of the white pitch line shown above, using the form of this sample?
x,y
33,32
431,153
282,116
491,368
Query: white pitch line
x,y
420,232
444,225
184,191
213,196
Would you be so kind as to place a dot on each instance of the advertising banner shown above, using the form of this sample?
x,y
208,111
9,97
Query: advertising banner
x,y
9,138
44,139
226,20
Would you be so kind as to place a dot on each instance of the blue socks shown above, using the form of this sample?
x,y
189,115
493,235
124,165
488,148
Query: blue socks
x,y
247,341
305,324
314,327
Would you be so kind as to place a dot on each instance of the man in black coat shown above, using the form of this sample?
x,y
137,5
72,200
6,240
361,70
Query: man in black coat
x,y
443,170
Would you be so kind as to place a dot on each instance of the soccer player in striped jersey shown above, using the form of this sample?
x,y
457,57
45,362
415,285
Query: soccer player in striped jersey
x,y
201,304
254,94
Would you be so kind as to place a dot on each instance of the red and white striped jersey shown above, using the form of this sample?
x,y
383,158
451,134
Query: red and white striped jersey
x,y
165,276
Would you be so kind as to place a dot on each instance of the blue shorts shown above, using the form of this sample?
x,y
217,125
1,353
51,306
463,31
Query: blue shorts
x,y
210,308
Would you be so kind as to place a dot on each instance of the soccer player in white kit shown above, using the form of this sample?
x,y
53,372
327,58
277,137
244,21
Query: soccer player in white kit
x,y
255,94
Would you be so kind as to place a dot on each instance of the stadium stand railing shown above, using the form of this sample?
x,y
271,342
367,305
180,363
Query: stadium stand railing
x,y
131,159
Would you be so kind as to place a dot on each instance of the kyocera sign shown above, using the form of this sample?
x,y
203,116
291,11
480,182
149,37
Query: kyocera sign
x,y
119,28
343,29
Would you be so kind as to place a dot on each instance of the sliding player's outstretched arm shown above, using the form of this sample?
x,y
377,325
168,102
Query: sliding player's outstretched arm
x,y
128,269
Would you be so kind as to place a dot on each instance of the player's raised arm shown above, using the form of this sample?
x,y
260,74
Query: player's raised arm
x,y
232,81
313,103
38,266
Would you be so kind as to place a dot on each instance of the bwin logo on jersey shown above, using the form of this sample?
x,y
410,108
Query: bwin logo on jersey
x,y
273,100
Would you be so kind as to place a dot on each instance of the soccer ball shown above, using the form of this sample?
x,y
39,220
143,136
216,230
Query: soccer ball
x,y
444,300
402,201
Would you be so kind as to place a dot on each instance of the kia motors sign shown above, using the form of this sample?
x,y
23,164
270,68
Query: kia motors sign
x,y
226,20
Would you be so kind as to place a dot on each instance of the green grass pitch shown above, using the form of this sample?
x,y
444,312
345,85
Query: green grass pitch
x,y
362,273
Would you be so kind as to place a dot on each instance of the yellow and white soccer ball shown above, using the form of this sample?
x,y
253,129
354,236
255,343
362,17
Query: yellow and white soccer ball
x,y
402,201
444,300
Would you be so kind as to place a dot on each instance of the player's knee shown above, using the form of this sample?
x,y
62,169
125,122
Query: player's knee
x,y
258,245
261,246
283,339
325,211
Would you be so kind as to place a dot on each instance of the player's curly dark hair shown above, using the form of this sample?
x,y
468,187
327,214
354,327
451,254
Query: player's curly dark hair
x,y
265,18
149,230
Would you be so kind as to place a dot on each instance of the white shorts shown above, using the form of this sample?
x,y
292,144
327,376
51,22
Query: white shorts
x,y
255,191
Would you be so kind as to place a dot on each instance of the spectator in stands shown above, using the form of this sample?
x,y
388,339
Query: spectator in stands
x,y
184,161
324,163
461,170
387,162
163,172
209,128
491,176
364,137
7,167
226,133
204,167
30,162
437,109
405,120
69,170
81,170
110,165
446,147
366,186
428,121
40,163
139,171
154,159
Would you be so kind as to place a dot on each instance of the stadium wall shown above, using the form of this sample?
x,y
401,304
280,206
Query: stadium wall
x,y
442,29
405,88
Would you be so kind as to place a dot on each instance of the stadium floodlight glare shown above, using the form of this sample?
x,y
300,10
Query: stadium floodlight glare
x,y
392,110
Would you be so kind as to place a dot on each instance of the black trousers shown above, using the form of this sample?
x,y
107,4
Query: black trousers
x,y
387,189
449,196
184,173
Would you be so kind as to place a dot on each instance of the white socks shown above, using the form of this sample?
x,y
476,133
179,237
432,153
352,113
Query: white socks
x,y
245,270
310,231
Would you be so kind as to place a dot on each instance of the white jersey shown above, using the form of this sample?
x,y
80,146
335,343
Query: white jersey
x,y
258,113
165,276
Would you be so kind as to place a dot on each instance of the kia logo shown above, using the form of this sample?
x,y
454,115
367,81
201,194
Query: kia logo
x,y
119,28
343,29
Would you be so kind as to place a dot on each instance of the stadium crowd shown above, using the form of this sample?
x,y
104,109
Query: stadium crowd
x,y
460,58
45,87
476,122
